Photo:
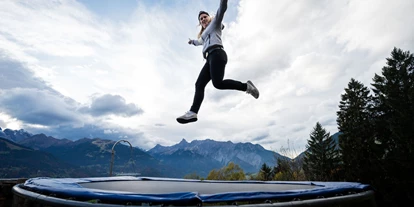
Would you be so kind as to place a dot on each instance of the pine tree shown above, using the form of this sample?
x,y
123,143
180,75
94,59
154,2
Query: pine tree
x,y
394,95
266,173
356,141
285,170
321,157
394,123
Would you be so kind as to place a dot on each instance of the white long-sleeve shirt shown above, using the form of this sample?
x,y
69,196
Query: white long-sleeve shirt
x,y
211,36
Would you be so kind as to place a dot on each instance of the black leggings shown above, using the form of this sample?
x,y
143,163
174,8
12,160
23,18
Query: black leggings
x,y
214,70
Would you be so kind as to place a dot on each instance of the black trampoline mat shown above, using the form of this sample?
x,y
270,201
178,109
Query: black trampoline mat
x,y
163,187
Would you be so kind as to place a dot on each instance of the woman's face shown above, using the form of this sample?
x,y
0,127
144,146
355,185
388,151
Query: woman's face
x,y
204,20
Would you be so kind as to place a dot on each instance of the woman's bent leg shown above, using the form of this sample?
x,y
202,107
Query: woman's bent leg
x,y
218,61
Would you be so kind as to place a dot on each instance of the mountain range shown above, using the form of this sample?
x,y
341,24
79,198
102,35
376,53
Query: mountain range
x,y
248,156
91,157
21,161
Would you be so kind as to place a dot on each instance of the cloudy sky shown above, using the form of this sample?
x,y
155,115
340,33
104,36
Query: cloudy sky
x,y
123,69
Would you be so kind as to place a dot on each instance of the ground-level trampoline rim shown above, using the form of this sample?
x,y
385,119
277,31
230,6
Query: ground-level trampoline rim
x,y
53,201
74,190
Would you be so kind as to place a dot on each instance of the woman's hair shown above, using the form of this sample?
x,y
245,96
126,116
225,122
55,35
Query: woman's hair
x,y
202,29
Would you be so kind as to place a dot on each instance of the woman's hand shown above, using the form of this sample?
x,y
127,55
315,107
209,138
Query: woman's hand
x,y
190,41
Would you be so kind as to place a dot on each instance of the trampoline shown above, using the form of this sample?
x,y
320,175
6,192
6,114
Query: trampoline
x,y
151,191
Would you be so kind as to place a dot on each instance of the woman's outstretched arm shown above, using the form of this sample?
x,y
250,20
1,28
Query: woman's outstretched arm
x,y
195,42
220,12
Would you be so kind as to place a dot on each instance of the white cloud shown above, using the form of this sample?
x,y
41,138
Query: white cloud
x,y
300,54
110,131
8,122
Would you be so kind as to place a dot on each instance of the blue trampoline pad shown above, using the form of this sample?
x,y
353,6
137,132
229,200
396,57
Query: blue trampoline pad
x,y
183,191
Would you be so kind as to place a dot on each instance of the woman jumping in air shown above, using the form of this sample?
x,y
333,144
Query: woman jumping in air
x,y
216,59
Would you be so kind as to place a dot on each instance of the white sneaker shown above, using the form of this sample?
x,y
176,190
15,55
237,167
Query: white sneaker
x,y
252,90
188,117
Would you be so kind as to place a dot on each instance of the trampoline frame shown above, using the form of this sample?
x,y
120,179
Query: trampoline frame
x,y
23,194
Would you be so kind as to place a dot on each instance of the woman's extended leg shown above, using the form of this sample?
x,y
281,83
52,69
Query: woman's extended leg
x,y
202,80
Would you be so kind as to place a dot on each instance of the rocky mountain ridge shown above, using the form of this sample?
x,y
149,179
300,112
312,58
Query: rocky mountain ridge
x,y
198,156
